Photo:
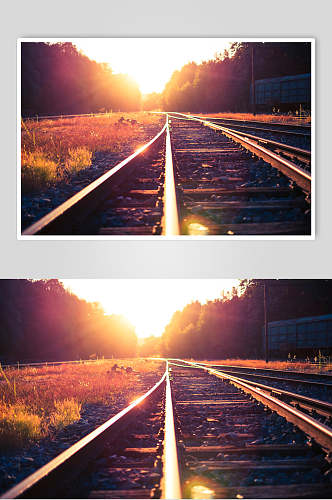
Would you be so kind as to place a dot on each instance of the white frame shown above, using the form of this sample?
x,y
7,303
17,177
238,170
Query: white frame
x,y
310,237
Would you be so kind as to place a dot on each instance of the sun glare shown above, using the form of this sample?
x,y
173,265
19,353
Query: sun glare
x,y
148,304
150,61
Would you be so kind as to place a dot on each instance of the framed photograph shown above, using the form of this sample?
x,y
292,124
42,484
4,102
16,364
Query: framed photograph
x,y
170,389
154,138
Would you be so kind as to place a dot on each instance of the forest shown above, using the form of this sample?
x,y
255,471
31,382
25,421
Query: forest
x,y
232,325
223,83
58,79
41,320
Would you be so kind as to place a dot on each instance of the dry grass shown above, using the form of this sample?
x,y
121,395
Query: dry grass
x,y
38,171
18,425
277,365
77,159
290,120
53,148
36,401
65,413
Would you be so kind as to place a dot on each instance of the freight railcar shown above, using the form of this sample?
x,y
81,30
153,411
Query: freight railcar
x,y
302,337
285,93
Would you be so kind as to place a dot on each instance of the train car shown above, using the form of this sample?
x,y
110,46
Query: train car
x,y
285,93
302,337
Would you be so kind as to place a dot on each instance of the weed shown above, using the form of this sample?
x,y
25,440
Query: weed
x,y
52,147
38,171
51,397
66,412
18,425
286,119
78,158
278,365
11,386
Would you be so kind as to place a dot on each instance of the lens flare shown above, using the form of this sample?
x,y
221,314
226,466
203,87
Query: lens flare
x,y
199,491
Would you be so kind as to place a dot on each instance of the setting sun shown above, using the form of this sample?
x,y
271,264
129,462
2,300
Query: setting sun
x,y
148,304
150,61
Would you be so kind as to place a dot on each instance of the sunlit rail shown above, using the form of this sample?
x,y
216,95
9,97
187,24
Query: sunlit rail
x,y
171,217
321,432
298,174
171,487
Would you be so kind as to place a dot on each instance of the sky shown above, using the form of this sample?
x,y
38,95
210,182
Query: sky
x,y
150,61
148,303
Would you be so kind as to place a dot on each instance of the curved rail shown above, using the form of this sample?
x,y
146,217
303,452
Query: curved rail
x,y
312,402
70,462
296,173
279,379
321,432
68,215
303,153
268,129
293,127
287,373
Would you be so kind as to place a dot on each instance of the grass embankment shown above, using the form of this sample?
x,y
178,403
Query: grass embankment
x,y
284,119
52,150
38,401
276,365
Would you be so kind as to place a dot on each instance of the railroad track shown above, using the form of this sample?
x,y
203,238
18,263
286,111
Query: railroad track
x,y
309,380
291,134
193,178
264,135
198,433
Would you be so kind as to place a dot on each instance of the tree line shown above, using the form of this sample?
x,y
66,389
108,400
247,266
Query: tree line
x,y
223,83
58,79
231,326
41,320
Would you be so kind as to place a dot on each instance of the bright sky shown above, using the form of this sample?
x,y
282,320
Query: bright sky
x,y
150,61
148,304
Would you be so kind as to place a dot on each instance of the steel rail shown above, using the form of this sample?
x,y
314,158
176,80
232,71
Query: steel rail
x,y
170,222
321,432
68,215
298,174
70,462
295,126
270,130
317,403
170,485
305,153
313,402
279,379
272,370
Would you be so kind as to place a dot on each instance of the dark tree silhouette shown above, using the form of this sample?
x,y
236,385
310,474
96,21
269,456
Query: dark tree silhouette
x,y
223,84
57,79
41,320
232,326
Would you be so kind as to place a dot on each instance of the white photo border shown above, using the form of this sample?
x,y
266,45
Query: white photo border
x,y
309,237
